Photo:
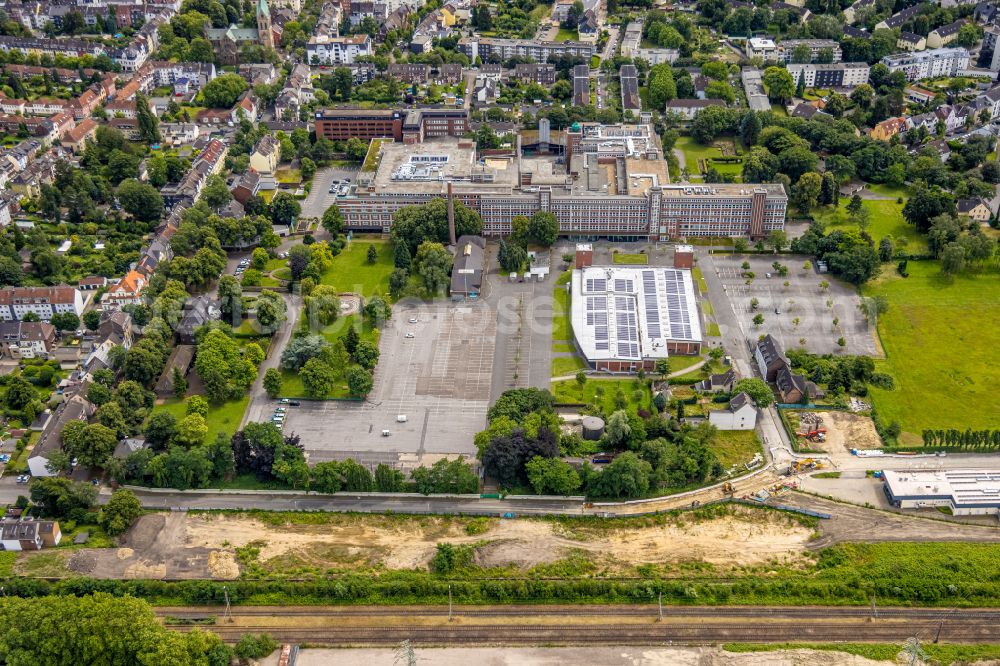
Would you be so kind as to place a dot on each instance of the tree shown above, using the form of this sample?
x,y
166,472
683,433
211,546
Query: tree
x,y
120,630
148,124
301,349
333,221
372,254
91,444
140,200
552,476
270,310
413,225
377,311
272,382
366,354
625,476
318,378
387,479
750,128
255,646
215,192
873,307
779,84
661,86
757,389
807,190
359,382
65,321
191,430
160,430
433,264
446,476
120,512
758,320
92,320
196,404
223,91
778,240
619,431
543,228
401,256
953,259
180,383
222,368
284,209
356,477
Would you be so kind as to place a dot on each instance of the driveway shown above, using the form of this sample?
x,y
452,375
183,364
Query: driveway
x,y
260,403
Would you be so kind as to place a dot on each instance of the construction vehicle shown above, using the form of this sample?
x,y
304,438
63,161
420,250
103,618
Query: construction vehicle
x,y
728,490
806,465
811,427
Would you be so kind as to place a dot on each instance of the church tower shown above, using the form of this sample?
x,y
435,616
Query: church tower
x,y
264,29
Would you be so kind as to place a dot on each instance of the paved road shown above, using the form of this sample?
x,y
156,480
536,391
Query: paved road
x,y
260,404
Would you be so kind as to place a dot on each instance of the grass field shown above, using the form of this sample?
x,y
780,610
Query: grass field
x,y
891,191
562,329
636,394
351,271
735,447
694,151
885,219
224,418
622,258
942,653
563,347
700,277
567,365
288,176
565,34
941,337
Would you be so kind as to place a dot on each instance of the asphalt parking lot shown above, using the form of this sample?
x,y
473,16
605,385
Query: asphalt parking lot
x,y
800,314
439,379
319,198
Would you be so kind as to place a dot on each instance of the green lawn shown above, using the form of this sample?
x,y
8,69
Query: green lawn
x,y
563,347
942,653
224,418
885,219
565,34
680,362
274,264
941,336
636,393
561,327
712,330
352,273
291,383
288,176
735,447
694,151
891,191
622,258
700,277
706,307
567,365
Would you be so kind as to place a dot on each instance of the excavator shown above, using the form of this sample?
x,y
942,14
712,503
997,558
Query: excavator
x,y
806,465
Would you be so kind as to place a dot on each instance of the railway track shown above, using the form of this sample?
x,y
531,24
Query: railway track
x,y
618,634
198,613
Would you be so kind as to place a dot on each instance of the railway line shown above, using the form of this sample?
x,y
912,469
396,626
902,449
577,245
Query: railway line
x,y
598,625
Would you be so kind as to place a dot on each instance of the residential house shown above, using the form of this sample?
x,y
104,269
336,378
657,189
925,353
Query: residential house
x,y
897,20
976,208
887,129
265,156
689,108
128,291
27,339
718,383
945,34
909,41
76,138
75,408
180,359
247,186
741,414
198,311
28,534
116,330
792,388
767,353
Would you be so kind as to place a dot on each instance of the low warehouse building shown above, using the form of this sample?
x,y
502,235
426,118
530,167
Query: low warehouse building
x,y
625,319
972,492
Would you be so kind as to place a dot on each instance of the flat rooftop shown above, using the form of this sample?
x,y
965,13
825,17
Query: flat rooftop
x,y
632,313
428,168
723,189
965,488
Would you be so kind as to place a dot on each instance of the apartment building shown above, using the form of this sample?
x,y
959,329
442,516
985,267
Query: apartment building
x,y
499,50
329,50
15,302
411,126
786,49
834,75
928,64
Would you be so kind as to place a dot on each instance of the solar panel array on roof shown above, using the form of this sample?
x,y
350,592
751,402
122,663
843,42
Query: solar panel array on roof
x,y
597,284
677,306
651,303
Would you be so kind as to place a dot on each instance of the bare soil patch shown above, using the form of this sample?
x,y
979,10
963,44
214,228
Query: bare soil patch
x,y
846,431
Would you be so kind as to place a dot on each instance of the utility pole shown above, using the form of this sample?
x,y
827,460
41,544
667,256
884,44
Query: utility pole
x,y
874,610
227,615
938,634
450,618
660,602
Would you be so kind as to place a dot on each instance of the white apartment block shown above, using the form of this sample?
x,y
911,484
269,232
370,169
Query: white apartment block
x,y
15,302
835,75
928,64
326,50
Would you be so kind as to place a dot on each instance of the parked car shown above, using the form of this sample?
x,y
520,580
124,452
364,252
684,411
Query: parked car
x,y
409,335
294,403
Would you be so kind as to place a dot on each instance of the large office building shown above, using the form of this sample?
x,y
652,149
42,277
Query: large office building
x,y
833,75
625,319
966,492
410,126
599,181
928,64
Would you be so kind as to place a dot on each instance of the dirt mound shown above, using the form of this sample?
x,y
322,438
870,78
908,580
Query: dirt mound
x,y
83,561
846,431
223,565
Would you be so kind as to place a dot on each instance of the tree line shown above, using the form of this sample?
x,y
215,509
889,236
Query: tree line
x,y
962,439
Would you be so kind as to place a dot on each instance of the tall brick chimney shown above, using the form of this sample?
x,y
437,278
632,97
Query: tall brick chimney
x,y
451,217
